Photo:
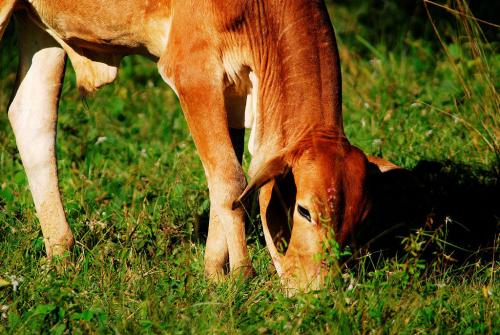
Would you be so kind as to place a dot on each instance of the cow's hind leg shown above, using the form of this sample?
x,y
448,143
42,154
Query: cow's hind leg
x,y
33,116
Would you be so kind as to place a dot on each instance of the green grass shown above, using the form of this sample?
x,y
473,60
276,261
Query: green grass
x,y
136,198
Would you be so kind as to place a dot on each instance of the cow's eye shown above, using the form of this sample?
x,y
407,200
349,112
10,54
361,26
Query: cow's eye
x,y
304,213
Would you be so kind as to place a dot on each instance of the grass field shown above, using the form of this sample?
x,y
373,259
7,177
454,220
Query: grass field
x,y
136,198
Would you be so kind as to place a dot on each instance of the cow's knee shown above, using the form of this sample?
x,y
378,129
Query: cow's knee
x,y
226,186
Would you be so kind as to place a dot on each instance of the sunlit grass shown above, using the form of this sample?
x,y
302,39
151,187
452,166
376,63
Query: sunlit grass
x,y
136,198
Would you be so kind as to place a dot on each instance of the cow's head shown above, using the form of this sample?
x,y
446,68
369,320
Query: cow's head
x,y
314,191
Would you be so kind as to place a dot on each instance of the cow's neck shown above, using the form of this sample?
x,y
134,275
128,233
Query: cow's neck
x,y
296,62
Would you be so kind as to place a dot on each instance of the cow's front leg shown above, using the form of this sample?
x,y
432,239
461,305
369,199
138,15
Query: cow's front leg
x,y
226,230
226,181
216,255
33,116
203,105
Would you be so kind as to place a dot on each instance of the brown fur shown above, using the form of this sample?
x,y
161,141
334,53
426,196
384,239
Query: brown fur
x,y
207,50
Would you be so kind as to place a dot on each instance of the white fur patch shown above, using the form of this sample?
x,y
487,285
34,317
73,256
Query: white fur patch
x,y
252,117
161,31
166,79
245,83
167,27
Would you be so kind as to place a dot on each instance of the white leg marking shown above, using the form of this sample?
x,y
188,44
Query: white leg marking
x,y
33,116
252,116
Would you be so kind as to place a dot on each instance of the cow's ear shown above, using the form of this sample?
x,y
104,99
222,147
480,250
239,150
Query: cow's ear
x,y
382,164
272,168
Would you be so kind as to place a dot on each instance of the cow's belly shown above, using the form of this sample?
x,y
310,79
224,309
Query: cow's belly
x,y
96,34
129,26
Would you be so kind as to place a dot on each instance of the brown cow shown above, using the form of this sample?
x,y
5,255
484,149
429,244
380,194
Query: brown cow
x,y
270,65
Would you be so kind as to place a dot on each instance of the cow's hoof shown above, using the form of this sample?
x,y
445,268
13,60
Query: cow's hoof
x,y
239,274
59,247
243,272
216,276
215,270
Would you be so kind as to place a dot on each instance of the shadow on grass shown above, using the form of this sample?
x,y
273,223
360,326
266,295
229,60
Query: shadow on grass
x,y
462,201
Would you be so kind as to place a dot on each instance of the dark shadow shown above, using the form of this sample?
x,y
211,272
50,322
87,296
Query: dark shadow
x,y
387,21
462,201
399,206
200,229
